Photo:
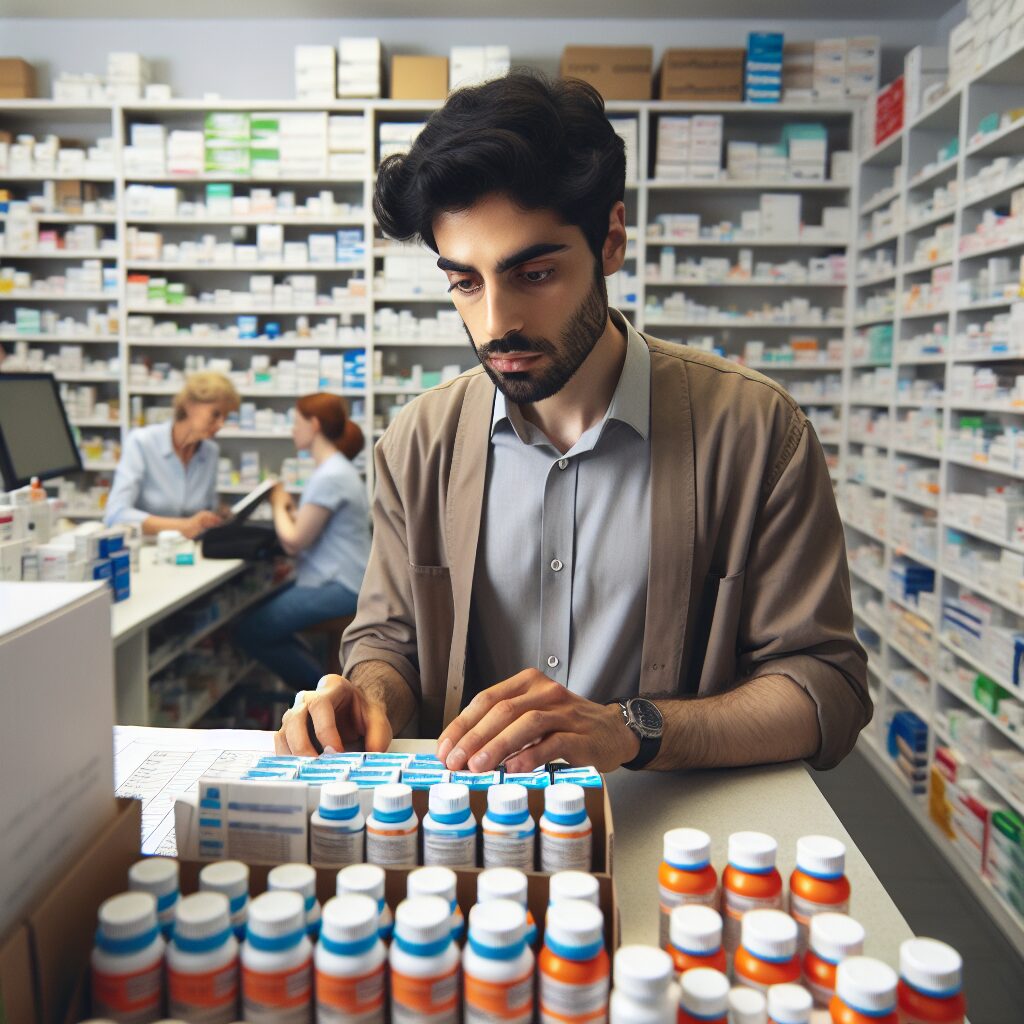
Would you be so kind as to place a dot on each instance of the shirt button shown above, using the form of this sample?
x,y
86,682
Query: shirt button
x,y
556,565
563,463
552,662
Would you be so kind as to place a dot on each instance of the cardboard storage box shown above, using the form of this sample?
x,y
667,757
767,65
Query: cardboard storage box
x,y
17,79
714,75
419,78
617,72
17,992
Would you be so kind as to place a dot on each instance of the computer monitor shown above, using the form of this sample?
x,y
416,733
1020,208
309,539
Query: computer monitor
x,y
35,436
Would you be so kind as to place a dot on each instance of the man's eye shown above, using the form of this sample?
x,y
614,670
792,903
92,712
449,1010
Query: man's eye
x,y
536,276
464,285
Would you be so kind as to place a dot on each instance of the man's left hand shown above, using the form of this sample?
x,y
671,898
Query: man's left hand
x,y
529,720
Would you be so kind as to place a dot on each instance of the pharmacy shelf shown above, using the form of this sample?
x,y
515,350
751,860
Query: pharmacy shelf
x,y
744,324
152,389
95,515
231,434
968,700
57,297
402,297
749,243
244,344
135,266
767,367
867,244
925,265
654,282
432,343
93,423
927,175
985,774
946,213
236,179
64,218
920,314
1002,303
1005,245
59,254
992,139
212,310
87,378
997,191
285,220
100,466
91,176
986,357
982,590
974,531
755,185
869,282
64,339
880,199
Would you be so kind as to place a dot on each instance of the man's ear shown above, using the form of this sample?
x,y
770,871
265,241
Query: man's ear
x,y
613,251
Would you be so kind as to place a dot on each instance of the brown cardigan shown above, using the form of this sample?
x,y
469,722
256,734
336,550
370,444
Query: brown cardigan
x,y
749,574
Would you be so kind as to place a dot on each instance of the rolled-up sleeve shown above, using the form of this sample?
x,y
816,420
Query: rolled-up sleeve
x,y
124,493
797,617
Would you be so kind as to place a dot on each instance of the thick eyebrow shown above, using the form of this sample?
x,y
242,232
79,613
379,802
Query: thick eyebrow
x,y
531,252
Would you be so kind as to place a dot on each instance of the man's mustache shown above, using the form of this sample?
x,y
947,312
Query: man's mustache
x,y
512,343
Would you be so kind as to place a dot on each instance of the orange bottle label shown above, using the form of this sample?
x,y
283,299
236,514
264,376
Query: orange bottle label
x,y
211,990
413,998
498,1000
362,993
277,990
129,997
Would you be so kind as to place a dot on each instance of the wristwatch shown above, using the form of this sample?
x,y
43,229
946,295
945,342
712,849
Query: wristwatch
x,y
644,718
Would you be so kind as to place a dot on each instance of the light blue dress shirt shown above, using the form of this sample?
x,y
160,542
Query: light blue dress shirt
x,y
340,553
152,481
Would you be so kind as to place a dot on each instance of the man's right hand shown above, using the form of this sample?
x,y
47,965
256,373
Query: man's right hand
x,y
341,714
199,521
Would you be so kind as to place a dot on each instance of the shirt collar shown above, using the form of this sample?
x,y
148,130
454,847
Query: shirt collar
x,y
165,444
631,400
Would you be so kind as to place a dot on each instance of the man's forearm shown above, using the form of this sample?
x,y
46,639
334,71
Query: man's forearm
x,y
385,685
764,721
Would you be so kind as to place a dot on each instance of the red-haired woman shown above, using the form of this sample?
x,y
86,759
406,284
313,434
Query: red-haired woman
x,y
329,535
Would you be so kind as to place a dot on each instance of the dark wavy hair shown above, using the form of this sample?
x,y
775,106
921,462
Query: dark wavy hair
x,y
544,144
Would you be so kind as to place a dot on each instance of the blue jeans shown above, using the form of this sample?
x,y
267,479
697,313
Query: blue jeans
x,y
268,632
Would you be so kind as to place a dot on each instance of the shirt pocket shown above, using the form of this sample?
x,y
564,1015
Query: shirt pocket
x,y
714,656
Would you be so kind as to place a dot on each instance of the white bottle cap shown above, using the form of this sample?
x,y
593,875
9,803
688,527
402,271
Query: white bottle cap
x,y
392,798
128,915
230,877
501,884
300,878
202,915
566,798
704,992
752,851
157,875
498,923
573,885
642,972
349,918
687,848
339,796
768,934
694,928
834,937
508,798
789,1004
820,856
273,914
423,920
433,881
866,985
931,966
365,879
747,1006
448,800
574,924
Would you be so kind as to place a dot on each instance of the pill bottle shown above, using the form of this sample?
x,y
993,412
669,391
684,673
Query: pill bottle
x,y
368,880
685,875
703,997
230,877
507,884
865,992
573,968
642,991
449,828
750,882
424,964
349,963
128,960
747,1006
277,961
833,937
300,878
508,829
441,882
392,828
695,938
818,884
497,965
789,1004
159,877
931,983
574,885
566,833
767,952
202,961
337,828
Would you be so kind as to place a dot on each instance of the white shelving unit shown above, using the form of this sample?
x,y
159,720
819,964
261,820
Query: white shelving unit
x,y
884,524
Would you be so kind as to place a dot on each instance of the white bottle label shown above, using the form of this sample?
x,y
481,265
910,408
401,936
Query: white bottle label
x,y
822,996
566,851
129,998
802,911
329,847
508,850
278,997
669,899
734,907
561,1003
390,849
448,849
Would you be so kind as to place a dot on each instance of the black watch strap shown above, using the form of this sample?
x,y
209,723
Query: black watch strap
x,y
649,745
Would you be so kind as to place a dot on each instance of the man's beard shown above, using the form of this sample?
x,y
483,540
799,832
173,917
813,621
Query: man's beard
x,y
578,339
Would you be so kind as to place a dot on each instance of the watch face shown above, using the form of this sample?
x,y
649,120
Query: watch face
x,y
647,716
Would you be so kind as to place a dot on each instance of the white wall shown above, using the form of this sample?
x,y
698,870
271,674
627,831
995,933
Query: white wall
x,y
244,58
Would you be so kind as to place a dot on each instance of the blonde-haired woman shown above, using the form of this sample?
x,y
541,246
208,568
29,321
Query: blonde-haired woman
x,y
167,476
